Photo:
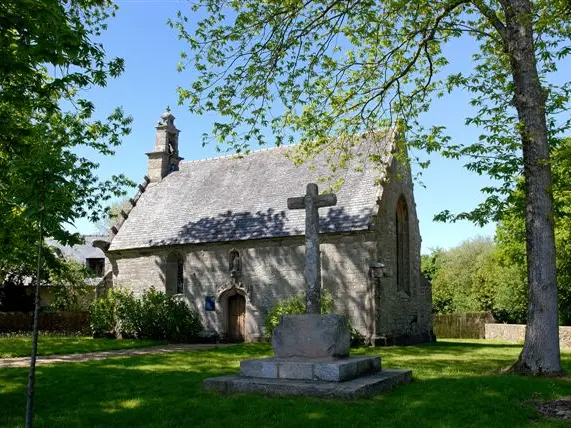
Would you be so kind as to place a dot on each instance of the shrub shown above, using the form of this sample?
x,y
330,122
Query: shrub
x,y
14,295
154,316
69,289
108,315
291,306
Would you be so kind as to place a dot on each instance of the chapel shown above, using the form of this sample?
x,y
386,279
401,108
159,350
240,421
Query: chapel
x,y
218,234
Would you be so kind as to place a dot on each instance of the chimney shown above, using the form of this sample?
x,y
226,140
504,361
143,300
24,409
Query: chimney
x,y
164,159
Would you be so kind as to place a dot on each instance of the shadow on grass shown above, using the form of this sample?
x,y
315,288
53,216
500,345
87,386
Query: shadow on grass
x,y
21,346
165,390
452,343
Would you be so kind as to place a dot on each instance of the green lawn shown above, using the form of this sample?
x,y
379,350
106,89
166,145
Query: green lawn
x,y
21,346
456,384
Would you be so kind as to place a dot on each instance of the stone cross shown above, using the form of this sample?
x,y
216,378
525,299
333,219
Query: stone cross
x,y
311,202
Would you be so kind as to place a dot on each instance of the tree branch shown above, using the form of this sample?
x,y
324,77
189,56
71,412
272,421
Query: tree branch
x,y
492,17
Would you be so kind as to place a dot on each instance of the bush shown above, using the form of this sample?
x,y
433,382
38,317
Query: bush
x,y
105,319
69,289
154,316
294,305
14,296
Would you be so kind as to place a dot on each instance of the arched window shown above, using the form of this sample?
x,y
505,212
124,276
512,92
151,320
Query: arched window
x,y
403,246
174,281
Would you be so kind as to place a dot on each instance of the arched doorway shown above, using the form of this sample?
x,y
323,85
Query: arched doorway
x,y
236,318
174,275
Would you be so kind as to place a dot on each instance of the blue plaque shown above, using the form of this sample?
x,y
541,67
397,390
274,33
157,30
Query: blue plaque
x,y
210,304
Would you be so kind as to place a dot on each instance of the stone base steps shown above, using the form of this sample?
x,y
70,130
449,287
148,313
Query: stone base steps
x,y
363,386
331,370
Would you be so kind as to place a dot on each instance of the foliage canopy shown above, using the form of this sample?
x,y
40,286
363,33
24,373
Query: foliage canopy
x,y
319,69
49,56
284,72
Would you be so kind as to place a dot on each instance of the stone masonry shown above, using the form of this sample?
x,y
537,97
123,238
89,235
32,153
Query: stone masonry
x,y
204,214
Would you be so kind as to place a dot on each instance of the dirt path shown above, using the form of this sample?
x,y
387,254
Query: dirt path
x,y
74,358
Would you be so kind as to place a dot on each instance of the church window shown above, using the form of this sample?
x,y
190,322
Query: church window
x,y
403,246
179,276
174,274
96,266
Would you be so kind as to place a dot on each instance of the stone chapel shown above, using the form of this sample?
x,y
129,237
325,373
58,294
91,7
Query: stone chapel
x,y
217,233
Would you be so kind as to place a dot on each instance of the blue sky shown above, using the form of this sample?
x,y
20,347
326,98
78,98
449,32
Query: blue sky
x,y
151,49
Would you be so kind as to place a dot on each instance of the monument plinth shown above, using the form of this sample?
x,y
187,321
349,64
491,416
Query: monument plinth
x,y
312,350
311,336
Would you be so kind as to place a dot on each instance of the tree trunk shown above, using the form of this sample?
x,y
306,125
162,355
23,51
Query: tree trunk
x,y
35,331
540,354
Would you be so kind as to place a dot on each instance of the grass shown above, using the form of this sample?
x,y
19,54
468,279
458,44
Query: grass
x,y
21,346
456,384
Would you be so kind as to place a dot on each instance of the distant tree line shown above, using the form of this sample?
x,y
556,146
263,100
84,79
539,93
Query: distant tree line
x,y
487,274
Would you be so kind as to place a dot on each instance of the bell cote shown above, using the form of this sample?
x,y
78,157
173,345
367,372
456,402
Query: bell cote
x,y
164,159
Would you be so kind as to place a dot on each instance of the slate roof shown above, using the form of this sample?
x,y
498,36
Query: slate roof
x,y
231,199
80,252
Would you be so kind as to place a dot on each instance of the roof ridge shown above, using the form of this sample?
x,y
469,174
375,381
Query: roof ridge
x,y
388,132
239,155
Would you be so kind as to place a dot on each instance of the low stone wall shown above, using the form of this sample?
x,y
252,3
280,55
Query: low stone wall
x,y
516,333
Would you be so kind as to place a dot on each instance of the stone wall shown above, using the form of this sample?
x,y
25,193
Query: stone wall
x,y
516,333
271,270
358,268
401,317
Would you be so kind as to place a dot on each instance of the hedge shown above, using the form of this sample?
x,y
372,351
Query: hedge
x,y
55,322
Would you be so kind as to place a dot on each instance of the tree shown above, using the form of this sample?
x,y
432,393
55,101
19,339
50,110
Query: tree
x,y
70,289
430,263
510,234
319,69
17,276
49,57
462,280
472,278
112,213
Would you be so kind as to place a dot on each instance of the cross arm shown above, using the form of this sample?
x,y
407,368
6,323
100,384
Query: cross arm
x,y
296,203
327,200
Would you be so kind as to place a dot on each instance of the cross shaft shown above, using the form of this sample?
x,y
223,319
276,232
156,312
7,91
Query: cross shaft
x,y
311,202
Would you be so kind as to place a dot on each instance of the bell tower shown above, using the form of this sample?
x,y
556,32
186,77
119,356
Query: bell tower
x,y
164,159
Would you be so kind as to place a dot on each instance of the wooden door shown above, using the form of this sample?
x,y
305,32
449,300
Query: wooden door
x,y
236,318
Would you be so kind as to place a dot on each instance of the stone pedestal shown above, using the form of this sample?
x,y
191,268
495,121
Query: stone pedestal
x,y
311,358
311,336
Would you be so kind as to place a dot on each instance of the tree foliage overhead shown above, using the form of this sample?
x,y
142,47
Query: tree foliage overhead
x,y
310,70
50,57
510,233
304,71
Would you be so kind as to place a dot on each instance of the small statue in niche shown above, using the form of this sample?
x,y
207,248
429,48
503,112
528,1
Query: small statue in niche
x,y
234,264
